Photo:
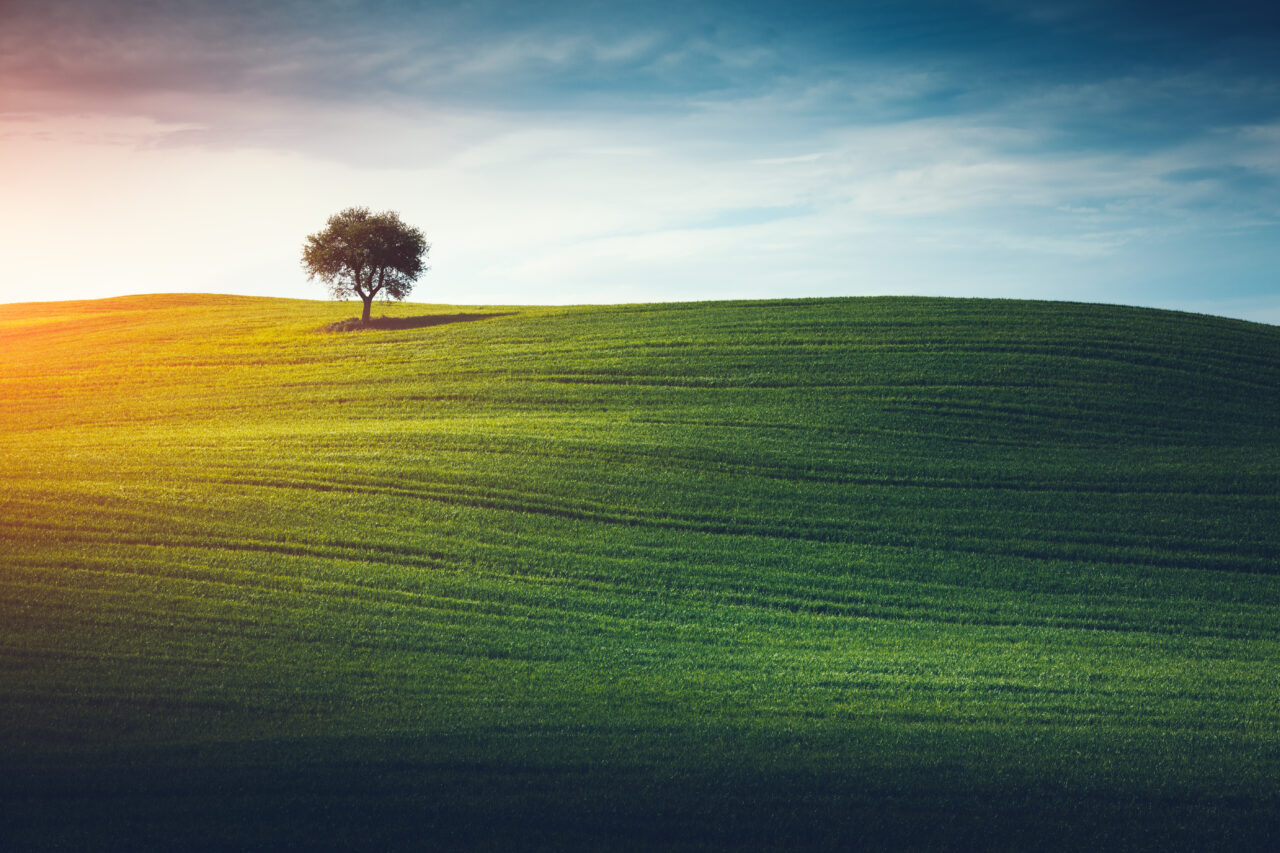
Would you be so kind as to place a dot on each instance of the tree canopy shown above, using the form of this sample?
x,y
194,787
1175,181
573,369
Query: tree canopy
x,y
364,254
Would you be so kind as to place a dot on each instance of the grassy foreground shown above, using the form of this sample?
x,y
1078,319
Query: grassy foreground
x,y
823,573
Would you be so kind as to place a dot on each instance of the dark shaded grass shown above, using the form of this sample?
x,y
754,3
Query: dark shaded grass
x,y
357,325
577,790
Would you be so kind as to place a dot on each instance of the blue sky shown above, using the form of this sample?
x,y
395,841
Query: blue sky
x,y
565,152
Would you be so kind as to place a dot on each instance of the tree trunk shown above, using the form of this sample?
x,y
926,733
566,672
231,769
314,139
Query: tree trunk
x,y
368,304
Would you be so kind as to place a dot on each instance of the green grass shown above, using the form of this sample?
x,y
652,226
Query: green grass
x,y
819,573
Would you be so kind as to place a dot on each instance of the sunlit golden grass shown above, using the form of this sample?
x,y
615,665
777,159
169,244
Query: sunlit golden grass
x,y
800,573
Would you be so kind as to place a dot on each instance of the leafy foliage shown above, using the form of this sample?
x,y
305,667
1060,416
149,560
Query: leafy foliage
x,y
365,254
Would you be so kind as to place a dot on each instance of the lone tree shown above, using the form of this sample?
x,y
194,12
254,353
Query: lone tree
x,y
364,254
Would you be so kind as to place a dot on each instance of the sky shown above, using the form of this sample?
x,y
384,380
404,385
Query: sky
x,y
562,152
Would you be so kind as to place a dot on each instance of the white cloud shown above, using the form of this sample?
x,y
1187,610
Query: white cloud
x,y
519,52
542,211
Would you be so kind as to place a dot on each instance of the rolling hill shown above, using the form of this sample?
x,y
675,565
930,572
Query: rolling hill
x,y
891,572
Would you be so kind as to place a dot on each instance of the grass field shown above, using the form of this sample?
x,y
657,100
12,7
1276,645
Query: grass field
x,y
821,573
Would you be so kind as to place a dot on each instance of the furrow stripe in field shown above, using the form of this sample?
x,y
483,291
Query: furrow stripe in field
x,y
369,551
827,470
1093,546
289,591
810,529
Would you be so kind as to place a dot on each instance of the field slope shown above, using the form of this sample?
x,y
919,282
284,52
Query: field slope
x,y
886,572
